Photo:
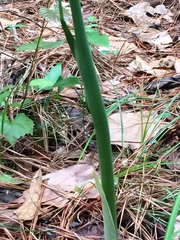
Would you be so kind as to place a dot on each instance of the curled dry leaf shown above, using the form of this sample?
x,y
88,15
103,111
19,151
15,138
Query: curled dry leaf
x,y
31,196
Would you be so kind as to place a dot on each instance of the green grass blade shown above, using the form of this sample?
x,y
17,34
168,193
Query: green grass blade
x,y
172,220
110,232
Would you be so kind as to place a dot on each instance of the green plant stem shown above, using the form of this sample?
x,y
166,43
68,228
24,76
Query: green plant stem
x,y
172,220
96,106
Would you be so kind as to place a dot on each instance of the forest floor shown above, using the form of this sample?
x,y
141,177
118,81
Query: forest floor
x,y
48,143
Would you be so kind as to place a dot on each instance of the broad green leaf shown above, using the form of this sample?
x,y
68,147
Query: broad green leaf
x,y
67,82
109,229
54,73
104,52
41,84
47,83
18,25
7,87
3,96
19,127
50,45
95,38
91,27
5,178
42,45
29,46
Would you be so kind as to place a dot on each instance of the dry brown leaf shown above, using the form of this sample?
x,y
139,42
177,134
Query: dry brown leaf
x,y
160,39
157,68
71,93
139,12
134,124
62,184
30,205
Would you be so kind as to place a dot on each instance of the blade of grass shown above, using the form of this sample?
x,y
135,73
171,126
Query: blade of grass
x,y
172,220
109,231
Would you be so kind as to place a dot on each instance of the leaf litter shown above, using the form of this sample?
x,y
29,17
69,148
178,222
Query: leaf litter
x,y
139,74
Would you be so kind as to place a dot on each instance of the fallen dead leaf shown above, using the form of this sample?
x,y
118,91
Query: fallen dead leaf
x,y
157,68
30,205
69,183
133,126
139,12
161,40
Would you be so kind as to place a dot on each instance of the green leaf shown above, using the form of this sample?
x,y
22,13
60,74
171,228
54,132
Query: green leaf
x,y
110,231
41,84
50,45
26,103
54,73
3,96
29,46
19,127
42,45
47,83
5,178
92,19
18,25
67,82
91,27
95,38
52,15
7,87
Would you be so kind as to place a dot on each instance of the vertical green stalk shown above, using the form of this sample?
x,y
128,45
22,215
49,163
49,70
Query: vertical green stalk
x,y
96,106
169,232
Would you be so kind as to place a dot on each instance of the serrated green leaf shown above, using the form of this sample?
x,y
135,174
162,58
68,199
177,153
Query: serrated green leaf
x,y
5,178
95,38
19,127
